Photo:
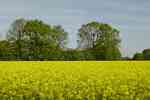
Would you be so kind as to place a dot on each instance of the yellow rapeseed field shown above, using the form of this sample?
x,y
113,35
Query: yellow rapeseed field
x,y
80,80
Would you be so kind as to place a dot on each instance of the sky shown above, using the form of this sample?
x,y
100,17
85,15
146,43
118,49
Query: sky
x,y
131,17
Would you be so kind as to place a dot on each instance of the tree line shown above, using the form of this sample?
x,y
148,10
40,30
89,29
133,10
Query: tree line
x,y
36,40
144,55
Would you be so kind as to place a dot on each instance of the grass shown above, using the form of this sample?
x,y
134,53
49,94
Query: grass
x,y
86,80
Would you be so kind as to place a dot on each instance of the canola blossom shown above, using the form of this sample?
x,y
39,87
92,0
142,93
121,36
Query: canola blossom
x,y
75,80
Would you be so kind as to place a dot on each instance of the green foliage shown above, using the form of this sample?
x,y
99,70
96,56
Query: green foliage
x,y
15,37
102,38
138,56
4,49
34,39
37,40
146,54
60,36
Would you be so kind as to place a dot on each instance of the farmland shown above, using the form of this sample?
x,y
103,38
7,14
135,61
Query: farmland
x,y
86,80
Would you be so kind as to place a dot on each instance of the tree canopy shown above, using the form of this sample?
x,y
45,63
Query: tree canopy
x,y
34,39
102,38
37,40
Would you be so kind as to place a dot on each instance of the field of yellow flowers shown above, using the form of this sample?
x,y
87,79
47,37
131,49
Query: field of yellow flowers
x,y
81,80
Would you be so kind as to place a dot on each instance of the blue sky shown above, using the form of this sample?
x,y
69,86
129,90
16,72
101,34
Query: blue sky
x,y
131,17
